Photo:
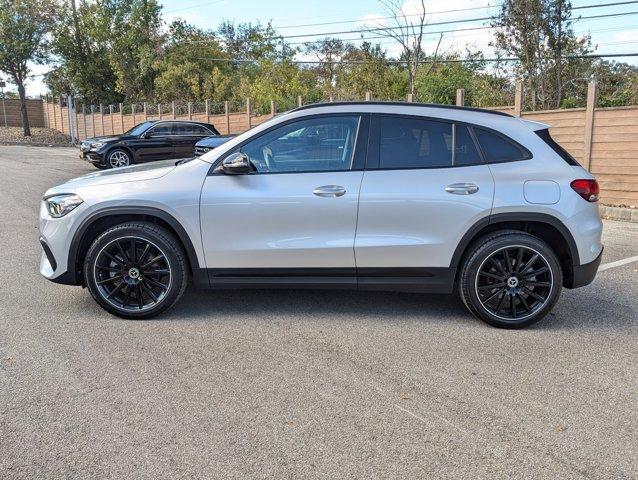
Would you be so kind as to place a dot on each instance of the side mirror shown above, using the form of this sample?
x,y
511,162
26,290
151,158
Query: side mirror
x,y
236,164
147,135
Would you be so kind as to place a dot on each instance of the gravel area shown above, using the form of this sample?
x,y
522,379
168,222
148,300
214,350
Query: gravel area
x,y
39,136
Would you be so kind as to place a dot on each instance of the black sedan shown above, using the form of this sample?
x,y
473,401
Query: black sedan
x,y
146,142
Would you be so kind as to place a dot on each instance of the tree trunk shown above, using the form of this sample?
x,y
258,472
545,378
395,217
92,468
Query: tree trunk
x,y
26,129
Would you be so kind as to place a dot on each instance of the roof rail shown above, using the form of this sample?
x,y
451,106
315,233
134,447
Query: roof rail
x,y
406,104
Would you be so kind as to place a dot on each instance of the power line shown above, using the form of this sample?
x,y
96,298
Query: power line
x,y
382,29
360,31
389,18
470,29
612,4
447,60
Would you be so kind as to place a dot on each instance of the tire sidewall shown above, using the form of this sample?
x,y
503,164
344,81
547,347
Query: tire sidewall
x,y
174,256
479,255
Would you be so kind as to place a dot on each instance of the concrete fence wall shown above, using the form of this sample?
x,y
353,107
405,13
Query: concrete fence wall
x,y
603,140
35,112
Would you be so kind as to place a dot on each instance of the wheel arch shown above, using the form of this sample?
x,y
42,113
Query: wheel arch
x,y
548,228
102,220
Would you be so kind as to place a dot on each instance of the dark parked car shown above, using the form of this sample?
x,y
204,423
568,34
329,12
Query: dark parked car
x,y
208,143
146,142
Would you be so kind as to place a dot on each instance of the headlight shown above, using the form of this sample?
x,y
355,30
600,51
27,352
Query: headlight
x,y
97,145
59,205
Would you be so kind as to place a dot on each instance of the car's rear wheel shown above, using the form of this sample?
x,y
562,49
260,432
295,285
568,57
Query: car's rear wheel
x,y
510,279
136,270
118,158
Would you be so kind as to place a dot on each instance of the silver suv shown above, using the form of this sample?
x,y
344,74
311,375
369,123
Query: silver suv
x,y
367,196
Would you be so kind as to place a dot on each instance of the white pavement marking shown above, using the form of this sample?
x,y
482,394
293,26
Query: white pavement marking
x,y
423,420
618,263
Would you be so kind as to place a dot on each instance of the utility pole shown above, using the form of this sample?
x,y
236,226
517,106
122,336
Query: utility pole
x,y
4,110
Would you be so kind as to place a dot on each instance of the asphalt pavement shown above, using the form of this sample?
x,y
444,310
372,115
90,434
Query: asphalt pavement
x,y
305,384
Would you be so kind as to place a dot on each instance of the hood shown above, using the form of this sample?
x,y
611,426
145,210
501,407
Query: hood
x,y
136,173
214,141
108,138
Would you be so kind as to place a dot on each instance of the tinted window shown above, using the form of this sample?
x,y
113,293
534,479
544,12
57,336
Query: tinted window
x,y
414,143
465,151
497,148
317,144
199,130
139,129
161,129
564,154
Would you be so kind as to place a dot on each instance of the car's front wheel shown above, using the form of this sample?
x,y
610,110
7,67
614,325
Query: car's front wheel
x,y
510,279
118,158
136,270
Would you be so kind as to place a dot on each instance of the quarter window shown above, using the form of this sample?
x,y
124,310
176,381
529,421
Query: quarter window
x,y
414,143
497,148
312,145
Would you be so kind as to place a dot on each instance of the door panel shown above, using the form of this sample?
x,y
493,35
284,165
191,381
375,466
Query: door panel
x,y
408,219
158,147
424,187
298,209
276,221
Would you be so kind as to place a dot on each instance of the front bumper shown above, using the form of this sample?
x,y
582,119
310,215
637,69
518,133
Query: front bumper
x,y
55,240
584,274
93,157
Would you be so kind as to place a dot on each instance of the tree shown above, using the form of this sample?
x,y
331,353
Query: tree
x,y
80,42
135,44
330,52
369,71
185,70
539,34
23,28
409,35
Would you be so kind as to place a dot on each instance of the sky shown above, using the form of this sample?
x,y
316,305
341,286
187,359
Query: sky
x,y
292,17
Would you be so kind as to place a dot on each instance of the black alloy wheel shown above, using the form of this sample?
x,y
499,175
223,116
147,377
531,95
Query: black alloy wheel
x,y
132,273
514,282
136,270
510,279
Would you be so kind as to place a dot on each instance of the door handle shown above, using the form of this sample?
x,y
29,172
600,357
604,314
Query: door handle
x,y
462,188
329,191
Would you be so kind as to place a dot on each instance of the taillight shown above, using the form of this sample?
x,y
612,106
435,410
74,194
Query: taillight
x,y
588,189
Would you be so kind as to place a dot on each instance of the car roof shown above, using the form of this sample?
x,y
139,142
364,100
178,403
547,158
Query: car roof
x,y
404,104
182,121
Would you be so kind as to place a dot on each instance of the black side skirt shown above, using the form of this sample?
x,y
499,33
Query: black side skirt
x,y
425,280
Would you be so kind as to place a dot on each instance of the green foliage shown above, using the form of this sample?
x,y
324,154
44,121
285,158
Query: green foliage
x,y
24,25
136,42
81,42
109,51
280,81
371,72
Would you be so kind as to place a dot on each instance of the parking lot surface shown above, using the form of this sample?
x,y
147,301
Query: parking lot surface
x,y
305,384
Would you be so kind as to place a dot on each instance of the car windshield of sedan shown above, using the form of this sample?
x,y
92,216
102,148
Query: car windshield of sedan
x,y
139,129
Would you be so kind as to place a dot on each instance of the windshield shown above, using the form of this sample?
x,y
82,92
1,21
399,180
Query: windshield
x,y
139,129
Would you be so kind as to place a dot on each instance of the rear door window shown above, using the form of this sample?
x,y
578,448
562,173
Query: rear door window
x,y
414,143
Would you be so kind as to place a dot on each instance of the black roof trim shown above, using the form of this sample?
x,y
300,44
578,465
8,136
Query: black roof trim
x,y
404,104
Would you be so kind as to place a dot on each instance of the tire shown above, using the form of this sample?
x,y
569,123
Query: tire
x,y
510,279
118,157
136,285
